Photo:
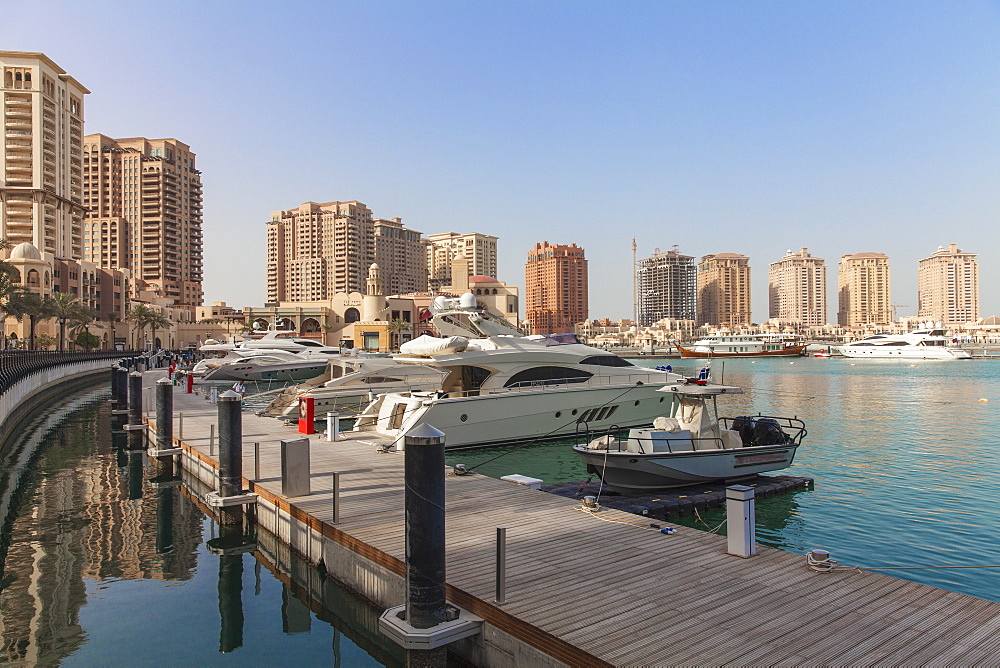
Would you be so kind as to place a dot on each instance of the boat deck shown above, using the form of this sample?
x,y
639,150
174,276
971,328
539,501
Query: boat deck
x,y
587,591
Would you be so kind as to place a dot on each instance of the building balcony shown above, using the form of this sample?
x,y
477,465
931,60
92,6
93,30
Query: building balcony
x,y
16,112
18,101
17,123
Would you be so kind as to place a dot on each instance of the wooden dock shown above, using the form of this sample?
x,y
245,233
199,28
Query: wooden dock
x,y
584,591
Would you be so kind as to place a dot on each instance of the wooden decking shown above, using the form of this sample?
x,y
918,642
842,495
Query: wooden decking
x,y
592,592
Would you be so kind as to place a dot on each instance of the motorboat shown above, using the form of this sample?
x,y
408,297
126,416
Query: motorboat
x,y
272,339
202,367
743,345
351,383
692,445
276,365
929,342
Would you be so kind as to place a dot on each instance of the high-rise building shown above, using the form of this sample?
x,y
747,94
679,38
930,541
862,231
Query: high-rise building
x,y
667,287
948,286
401,251
724,289
863,296
556,287
796,287
40,161
319,250
479,249
144,213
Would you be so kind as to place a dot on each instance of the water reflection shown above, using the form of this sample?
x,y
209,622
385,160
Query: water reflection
x,y
95,551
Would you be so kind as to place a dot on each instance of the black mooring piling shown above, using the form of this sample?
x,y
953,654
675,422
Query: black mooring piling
x,y
230,454
425,551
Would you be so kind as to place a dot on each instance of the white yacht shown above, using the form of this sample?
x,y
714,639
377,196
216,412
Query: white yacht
x,y
350,383
274,365
929,342
501,387
744,345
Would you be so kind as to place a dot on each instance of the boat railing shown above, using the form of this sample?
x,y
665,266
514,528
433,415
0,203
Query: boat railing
x,y
592,381
793,428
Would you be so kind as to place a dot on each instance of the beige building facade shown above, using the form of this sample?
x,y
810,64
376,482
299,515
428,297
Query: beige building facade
x,y
948,286
556,288
144,214
796,287
863,290
479,249
724,290
319,250
41,182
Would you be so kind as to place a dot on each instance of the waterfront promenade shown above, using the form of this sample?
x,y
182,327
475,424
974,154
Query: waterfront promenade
x,y
588,592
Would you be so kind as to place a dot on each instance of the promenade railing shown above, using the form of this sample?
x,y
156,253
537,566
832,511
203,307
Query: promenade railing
x,y
16,365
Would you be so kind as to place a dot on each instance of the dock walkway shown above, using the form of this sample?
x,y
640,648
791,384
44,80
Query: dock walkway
x,y
590,592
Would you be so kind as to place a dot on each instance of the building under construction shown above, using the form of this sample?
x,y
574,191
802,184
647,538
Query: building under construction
x,y
666,287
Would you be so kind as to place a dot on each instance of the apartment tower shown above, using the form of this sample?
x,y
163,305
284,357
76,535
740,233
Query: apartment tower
x,y
796,288
863,296
319,250
144,213
41,184
724,290
479,249
556,286
948,286
667,286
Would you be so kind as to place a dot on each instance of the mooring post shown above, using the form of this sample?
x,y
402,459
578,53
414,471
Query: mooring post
x,y
741,521
164,419
114,384
230,454
501,589
135,435
256,462
190,383
211,440
121,379
424,503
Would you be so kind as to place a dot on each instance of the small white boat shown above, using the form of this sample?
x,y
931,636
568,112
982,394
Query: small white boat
x,y
693,445
927,343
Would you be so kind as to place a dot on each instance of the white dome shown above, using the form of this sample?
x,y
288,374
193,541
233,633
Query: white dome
x,y
25,251
468,300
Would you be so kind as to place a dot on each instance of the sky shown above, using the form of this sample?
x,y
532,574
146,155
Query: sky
x,y
740,127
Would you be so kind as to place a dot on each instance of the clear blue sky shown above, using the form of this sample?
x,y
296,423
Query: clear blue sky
x,y
749,127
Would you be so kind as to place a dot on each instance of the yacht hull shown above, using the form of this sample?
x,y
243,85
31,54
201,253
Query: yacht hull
x,y
274,372
517,415
905,353
635,473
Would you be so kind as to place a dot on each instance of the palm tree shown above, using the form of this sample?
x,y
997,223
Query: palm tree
x,y
82,320
64,307
24,303
157,320
139,316
112,318
394,328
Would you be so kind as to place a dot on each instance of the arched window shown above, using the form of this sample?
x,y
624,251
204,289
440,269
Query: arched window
x,y
352,315
494,290
33,277
285,323
259,325
8,80
310,325
46,278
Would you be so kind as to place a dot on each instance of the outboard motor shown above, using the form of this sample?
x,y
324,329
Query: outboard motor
x,y
743,425
766,431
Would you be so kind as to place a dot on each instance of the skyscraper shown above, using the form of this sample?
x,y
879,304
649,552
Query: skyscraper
x,y
724,290
319,250
144,213
556,287
948,286
863,295
40,162
667,287
796,287
479,249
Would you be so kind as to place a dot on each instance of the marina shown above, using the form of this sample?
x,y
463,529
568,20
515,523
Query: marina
x,y
550,540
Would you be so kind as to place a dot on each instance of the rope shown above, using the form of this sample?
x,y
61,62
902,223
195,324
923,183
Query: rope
x,y
829,565
710,529
546,435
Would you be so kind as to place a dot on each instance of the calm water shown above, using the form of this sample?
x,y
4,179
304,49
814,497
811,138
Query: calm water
x,y
905,455
99,567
